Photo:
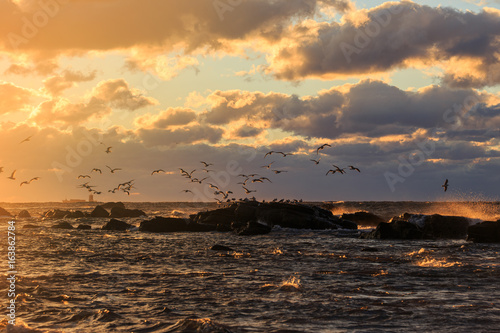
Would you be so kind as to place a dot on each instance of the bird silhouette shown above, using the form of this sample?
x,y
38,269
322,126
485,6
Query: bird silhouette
x,y
205,164
27,139
157,171
284,154
269,153
25,182
278,171
187,191
108,150
316,161
332,171
96,170
322,147
353,168
247,191
267,166
445,185
113,170
342,171
12,175
83,176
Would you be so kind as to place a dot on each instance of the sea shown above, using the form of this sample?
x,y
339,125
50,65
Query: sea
x,y
286,281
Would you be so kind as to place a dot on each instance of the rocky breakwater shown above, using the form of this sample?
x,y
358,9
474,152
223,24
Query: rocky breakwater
x,y
251,218
418,226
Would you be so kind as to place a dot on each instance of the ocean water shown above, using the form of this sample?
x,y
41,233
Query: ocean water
x,y
285,281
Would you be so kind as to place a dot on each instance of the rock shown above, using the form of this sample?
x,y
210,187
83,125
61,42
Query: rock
x,y
55,214
75,214
124,212
363,218
99,211
164,224
3,212
252,228
484,232
110,205
200,227
394,230
24,214
63,225
437,226
218,247
84,227
117,225
346,224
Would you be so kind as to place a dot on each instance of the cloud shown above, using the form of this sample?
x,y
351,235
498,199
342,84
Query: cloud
x,y
119,95
179,136
167,118
40,68
55,85
14,98
393,35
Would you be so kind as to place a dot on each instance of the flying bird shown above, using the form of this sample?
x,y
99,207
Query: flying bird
x,y
187,191
316,161
284,154
96,170
27,139
12,175
206,164
25,182
269,153
338,169
278,171
247,191
445,185
83,176
108,150
213,186
207,170
322,147
267,166
332,171
353,168
157,171
113,170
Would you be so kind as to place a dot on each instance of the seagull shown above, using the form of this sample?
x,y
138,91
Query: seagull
x,y
33,179
25,182
316,161
353,168
284,154
445,185
322,147
187,191
113,170
269,153
206,164
278,171
207,170
108,150
185,173
261,179
332,171
247,191
338,169
12,175
196,180
96,170
244,183
157,171
27,139
213,186
83,176
267,166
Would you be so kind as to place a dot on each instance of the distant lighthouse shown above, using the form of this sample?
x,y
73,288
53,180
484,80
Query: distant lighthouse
x,y
91,198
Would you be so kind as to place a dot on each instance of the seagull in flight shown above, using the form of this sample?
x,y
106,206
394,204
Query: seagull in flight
x,y
284,154
445,185
316,161
269,153
83,176
353,168
27,139
267,166
96,170
247,191
187,191
25,182
12,175
157,171
278,171
206,164
108,150
113,170
322,147
332,171
338,169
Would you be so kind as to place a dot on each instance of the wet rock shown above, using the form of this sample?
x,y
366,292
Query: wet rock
x,y
124,212
55,214
394,230
3,212
63,225
75,214
363,218
218,247
437,226
252,228
200,227
110,205
24,214
117,225
99,211
484,232
84,227
346,224
164,224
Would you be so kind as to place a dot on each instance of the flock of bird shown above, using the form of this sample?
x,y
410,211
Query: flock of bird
x,y
247,179
220,195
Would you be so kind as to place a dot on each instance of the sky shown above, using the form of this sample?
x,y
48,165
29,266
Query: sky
x,y
405,91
